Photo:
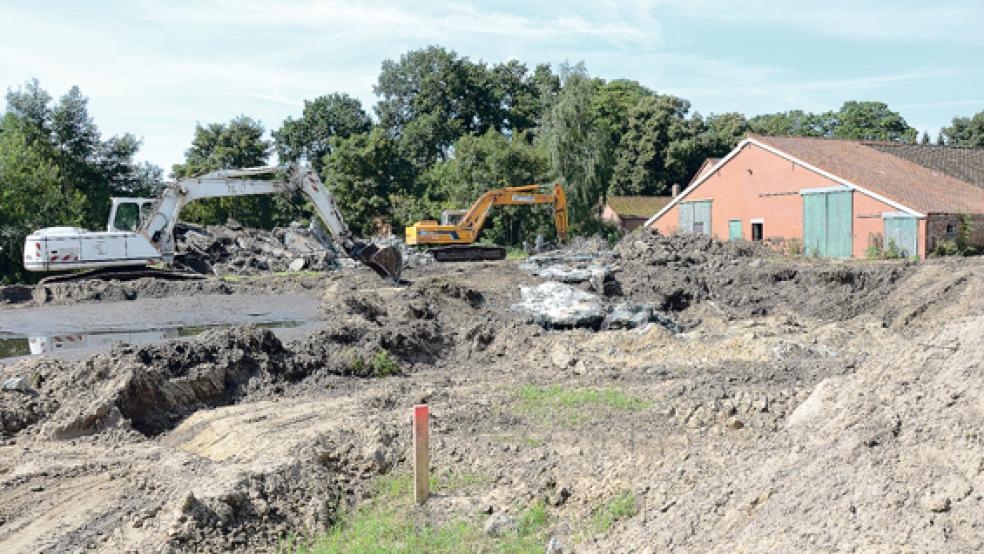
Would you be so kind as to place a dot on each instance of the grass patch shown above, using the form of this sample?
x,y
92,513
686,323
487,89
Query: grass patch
x,y
565,403
623,506
384,364
389,523
516,254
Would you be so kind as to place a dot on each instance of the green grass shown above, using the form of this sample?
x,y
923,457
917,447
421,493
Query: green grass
x,y
516,254
389,523
384,364
574,405
622,506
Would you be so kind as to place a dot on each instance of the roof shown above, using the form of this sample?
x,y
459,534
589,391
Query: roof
x,y
959,162
704,168
637,206
870,166
915,181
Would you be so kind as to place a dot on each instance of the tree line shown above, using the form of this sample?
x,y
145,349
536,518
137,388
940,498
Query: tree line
x,y
444,130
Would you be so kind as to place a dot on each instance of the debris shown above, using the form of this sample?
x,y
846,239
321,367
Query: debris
x,y
500,525
18,384
558,306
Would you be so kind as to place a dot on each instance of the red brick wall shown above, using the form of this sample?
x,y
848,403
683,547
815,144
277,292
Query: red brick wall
x,y
937,225
757,184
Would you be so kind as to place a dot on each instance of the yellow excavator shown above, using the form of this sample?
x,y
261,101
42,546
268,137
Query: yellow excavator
x,y
454,241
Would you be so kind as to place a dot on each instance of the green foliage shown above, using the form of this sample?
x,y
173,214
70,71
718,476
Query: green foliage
x,y
854,120
388,523
325,118
581,152
236,144
384,365
431,97
878,250
623,506
660,147
871,121
571,405
964,131
31,195
365,172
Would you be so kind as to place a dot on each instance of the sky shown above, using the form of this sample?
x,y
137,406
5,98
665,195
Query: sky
x,y
155,69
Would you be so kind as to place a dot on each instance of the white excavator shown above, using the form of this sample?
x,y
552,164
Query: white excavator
x,y
140,232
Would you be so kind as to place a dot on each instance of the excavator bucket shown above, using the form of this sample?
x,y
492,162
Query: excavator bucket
x,y
387,261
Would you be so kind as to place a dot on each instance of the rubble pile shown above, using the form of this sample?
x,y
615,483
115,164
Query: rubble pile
x,y
746,278
236,250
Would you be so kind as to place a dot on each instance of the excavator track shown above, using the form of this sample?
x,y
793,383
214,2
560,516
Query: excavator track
x,y
468,253
123,274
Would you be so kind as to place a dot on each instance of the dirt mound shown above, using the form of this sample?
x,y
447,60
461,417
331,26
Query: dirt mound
x,y
747,278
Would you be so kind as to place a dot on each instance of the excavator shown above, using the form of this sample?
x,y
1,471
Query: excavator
x,y
140,231
454,241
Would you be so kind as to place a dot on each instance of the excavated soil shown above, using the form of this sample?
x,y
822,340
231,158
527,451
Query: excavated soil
x,y
794,405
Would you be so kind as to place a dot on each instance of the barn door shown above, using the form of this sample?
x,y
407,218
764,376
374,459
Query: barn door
x,y
702,217
734,229
827,223
695,217
903,233
686,210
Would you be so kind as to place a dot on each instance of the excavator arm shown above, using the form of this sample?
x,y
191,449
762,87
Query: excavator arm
x,y
159,226
61,248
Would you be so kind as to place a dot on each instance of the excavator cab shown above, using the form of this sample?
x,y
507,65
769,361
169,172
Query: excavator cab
x,y
128,214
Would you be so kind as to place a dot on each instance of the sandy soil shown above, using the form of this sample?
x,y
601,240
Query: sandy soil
x,y
804,406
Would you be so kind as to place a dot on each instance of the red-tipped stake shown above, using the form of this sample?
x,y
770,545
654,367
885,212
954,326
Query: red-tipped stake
x,y
421,454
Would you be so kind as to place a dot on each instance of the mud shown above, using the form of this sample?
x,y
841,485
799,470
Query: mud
x,y
776,404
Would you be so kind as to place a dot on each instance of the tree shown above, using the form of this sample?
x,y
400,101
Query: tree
x,y
65,135
925,139
365,172
580,150
723,132
792,123
871,121
236,144
612,104
324,118
660,147
31,195
965,131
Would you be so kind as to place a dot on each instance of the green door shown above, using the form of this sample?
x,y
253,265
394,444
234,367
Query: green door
x,y
815,224
702,217
903,233
695,217
839,228
734,229
686,210
827,224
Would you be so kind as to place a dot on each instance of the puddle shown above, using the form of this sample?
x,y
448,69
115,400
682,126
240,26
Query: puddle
x,y
15,345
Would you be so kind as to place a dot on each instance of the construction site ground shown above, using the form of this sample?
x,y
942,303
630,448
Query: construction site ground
x,y
773,404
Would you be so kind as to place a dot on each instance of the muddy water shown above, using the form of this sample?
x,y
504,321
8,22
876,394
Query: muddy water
x,y
13,346
85,328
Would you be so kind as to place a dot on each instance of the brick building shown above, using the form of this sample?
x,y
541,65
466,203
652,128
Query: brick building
x,y
837,197
629,212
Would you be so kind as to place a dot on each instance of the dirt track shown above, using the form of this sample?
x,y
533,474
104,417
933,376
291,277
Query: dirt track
x,y
805,406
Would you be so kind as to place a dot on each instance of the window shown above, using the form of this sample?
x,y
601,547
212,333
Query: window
x,y
698,226
951,228
757,231
127,217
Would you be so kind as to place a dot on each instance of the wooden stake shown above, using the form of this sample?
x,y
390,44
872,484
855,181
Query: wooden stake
x,y
421,454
